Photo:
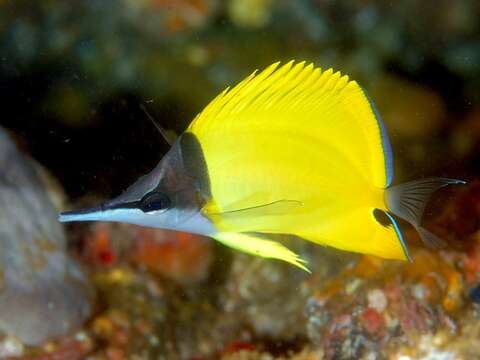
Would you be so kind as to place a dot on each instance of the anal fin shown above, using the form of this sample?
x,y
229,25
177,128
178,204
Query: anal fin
x,y
254,245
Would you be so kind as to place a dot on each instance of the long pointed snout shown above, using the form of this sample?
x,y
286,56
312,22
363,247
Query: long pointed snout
x,y
110,211
165,198
96,213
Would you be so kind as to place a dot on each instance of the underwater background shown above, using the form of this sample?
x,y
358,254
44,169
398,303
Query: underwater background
x,y
73,78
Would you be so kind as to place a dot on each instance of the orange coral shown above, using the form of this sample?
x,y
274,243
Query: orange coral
x,y
180,256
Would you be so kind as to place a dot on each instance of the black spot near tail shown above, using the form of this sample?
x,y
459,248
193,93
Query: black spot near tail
x,y
382,218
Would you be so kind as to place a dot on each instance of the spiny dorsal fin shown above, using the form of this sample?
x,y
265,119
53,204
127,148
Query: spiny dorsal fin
x,y
167,135
298,98
287,86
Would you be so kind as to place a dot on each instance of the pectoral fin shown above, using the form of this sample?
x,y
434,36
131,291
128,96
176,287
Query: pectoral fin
x,y
254,245
279,207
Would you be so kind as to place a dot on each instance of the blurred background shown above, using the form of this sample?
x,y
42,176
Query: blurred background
x,y
73,78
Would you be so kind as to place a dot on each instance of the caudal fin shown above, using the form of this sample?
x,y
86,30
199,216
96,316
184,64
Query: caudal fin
x,y
408,201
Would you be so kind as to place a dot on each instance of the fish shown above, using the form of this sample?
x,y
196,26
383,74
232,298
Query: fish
x,y
293,150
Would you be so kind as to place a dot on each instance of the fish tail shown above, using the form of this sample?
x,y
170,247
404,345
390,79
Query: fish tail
x,y
408,201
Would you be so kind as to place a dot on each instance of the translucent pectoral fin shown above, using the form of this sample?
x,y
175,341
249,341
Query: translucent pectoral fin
x,y
254,245
279,207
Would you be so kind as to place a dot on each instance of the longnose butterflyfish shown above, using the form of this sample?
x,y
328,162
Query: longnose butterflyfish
x,y
289,150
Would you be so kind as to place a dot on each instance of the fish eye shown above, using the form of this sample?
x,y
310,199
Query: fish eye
x,y
155,201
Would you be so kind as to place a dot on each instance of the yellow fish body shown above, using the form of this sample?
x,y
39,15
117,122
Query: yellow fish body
x,y
290,150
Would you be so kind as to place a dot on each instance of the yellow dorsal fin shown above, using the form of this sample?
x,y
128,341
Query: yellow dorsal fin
x,y
324,103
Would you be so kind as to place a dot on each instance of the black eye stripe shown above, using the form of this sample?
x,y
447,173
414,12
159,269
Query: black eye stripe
x,y
153,201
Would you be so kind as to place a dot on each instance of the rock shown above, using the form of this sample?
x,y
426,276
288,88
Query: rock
x,y
377,300
10,346
43,292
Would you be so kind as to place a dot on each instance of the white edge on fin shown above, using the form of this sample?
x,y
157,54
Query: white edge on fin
x,y
399,235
